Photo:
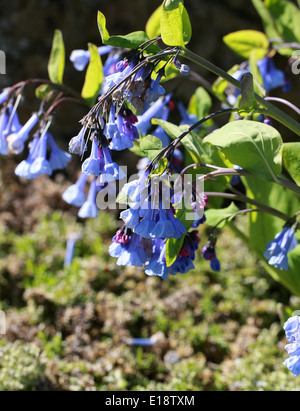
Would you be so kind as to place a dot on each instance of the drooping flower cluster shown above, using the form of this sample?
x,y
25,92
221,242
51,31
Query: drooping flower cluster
x,y
292,330
44,155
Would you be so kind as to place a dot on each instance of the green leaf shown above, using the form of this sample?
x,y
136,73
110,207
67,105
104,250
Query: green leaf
x,y
248,102
258,81
129,41
287,18
176,29
122,198
256,147
190,142
56,65
173,246
263,227
198,151
291,156
94,77
150,146
153,24
267,19
43,90
200,103
281,20
244,41
214,216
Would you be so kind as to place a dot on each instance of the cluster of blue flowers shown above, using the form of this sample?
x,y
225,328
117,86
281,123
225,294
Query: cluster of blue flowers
x,y
130,97
292,330
150,220
272,78
44,156
278,249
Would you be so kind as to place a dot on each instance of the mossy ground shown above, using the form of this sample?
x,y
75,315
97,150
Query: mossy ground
x,y
68,328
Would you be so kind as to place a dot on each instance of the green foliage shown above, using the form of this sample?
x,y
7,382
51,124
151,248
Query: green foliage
x,y
150,147
281,21
56,65
43,90
243,42
130,41
264,227
248,103
94,77
206,321
200,103
256,147
176,29
21,366
214,216
291,154
173,246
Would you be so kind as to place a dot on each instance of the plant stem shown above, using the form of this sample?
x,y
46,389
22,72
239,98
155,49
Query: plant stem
x,y
271,110
247,200
240,212
283,101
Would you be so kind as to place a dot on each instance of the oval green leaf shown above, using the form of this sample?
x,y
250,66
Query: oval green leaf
x,y
176,29
243,42
94,77
254,146
56,65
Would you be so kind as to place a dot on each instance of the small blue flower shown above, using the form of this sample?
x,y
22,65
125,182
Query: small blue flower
x,y
111,129
89,208
9,124
81,58
160,223
155,90
278,249
129,249
119,75
41,165
77,144
187,119
131,217
16,141
75,194
4,117
156,265
209,254
59,159
4,95
272,77
23,169
292,330
137,190
70,250
156,110
110,171
91,166
127,131
293,364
